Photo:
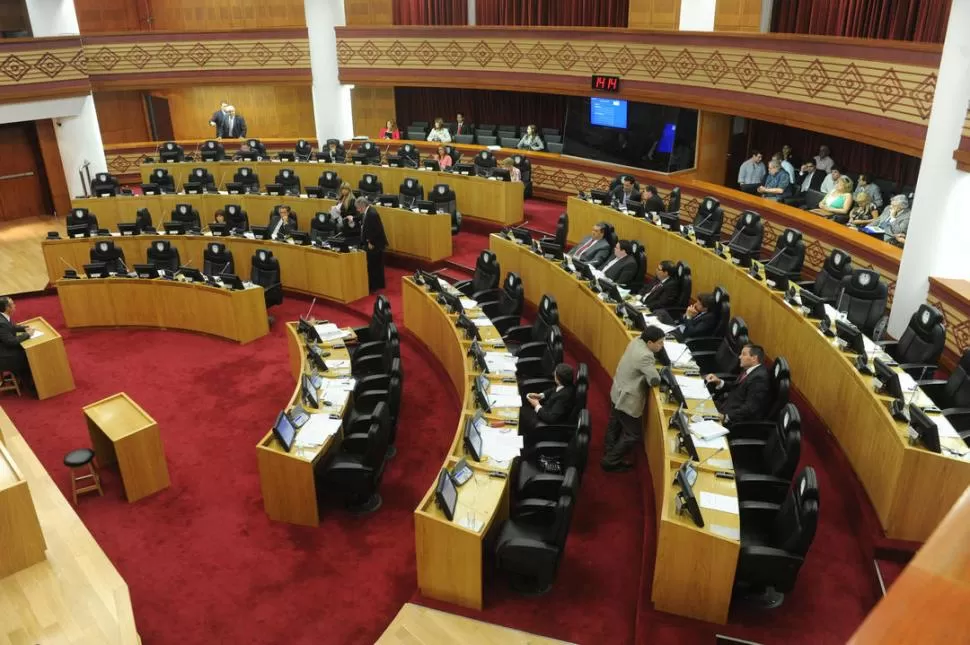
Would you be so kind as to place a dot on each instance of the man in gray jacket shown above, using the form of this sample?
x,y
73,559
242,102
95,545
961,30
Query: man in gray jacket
x,y
635,375
594,248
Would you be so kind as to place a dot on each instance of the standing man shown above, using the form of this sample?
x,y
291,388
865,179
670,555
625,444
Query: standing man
x,y
373,241
233,127
218,117
824,160
635,375
12,355
752,173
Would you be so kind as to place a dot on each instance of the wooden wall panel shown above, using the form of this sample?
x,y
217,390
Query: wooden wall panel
x,y
738,15
95,16
121,116
13,16
53,167
22,191
371,107
270,111
369,12
655,14
713,141
201,15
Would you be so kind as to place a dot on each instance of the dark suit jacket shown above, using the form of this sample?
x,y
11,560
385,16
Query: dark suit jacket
x,y
815,184
372,230
217,118
596,254
665,295
654,205
699,326
623,272
618,195
555,408
745,400
12,355
462,128
238,130
340,156
290,224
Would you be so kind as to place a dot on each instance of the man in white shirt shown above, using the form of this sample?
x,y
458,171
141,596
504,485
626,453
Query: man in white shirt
x,y
823,161
830,180
751,173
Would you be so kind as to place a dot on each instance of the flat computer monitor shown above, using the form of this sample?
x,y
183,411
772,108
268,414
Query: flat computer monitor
x,y
175,228
471,330
670,221
150,189
147,271
451,301
478,356
627,311
779,277
854,340
129,228
192,188
96,270
888,378
446,494
234,281
284,431
315,356
309,392
301,238
235,188
463,169
307,330
501,174
191,273
219,229
584,270
673,387
686,500
317,192
391,201
599,196
611,290
473,438
923,429
395,161
480,388
260,232
681,422
424,206
275,189
814,304
635,208
431,164
79,230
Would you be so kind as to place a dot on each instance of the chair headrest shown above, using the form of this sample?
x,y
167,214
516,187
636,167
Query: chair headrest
x,y
780,369
215,247
719,295
789,416
791,237
104,246
749,218
864,281
840,259
161,245
805,487
927,317
709,204
738,327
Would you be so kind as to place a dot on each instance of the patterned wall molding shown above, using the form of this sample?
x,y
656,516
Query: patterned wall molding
x,y
879,92
39,68
962,153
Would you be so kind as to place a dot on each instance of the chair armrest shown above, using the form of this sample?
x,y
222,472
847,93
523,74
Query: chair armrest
x,y
746,453
465,287
372,382
535,385
363,334
675,313
544,486
758,513
889,346
518,334
959,418
367,365
534,349
806,284
492,309
535,512
369,349
504,323
354,443
762,488
487,295
918,370
530,368
551,433
704,344
366,401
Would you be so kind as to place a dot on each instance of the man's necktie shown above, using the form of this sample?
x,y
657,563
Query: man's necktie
x,y
743,376
583,248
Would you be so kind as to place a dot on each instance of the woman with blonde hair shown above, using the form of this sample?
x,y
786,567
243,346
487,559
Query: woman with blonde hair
x,y
864,210
514,173
838,202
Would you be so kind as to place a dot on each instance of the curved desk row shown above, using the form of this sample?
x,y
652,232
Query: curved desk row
x,y
910,488
426,237
449,553
494,201
305,269
170,304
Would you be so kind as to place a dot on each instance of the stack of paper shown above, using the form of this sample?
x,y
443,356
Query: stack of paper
x,y
337,398
484,321
504,400
833,313
467,303
338,364
875,351
906,382
716,502
329,331
503,390
707,429
652,320
339,384
943,427
317,430
36,333
500,362
678,353
693,387
499,445
714,443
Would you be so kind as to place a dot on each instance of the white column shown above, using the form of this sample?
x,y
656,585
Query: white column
x,y
52,18
79,140
767,6
697,15
471,12
331,100
939,235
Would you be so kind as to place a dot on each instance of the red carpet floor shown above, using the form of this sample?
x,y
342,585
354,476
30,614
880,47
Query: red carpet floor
x,y
205,565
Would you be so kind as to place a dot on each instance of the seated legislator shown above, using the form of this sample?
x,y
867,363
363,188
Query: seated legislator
x,y
625,192
838,202
664,291
746,398
219,217
777,184
443,158
390,131
653,203
333,153
894,220
751,173
439,132
551,406
594,248
281,222
514,172
699,320
531,140
622,268
862,213
13,358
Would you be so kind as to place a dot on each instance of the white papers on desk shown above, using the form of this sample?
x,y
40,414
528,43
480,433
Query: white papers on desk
x,y
500,446
468,303
329,331
338,385
336,365
874,350
717,502
652,320
470,522
715,443
444,284
833,313
504,401
317,430
693,387
943,426
728,532
503,390
707,429
906,381
249,235
336,398
484,321
678,353
36,333
500,362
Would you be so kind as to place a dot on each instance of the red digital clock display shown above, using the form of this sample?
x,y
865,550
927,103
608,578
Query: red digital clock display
x,y
606,83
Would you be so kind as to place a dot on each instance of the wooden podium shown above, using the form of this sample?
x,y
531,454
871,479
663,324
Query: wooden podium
x,y
48,360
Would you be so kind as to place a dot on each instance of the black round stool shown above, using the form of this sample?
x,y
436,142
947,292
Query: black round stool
x,y
77,459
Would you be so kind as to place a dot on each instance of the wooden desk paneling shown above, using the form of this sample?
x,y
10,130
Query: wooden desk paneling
x,y
21,540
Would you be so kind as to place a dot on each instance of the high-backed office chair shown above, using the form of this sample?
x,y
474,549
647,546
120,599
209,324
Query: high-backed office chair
x,y
330,183
721,311
381,318
721,358
212,151
543,431
828,283
673,201
171,152
303,151
411,191
453,152
112,256
748,236
366,402
324,225
374,356
247,179
356,470
486,276
143,219
371,152
163,255
544,365
410,152
370,186
685,283
547,316
918,350
163,180
81,216
708,221
529,554
484,161
217,259
465,139
104,184
789,254
570,449
203,178
773,457
443,199
185,213
775,539
507,302
292,222
556,244
236,217
338,156
289,180
265,272
863,299
954,392
524,164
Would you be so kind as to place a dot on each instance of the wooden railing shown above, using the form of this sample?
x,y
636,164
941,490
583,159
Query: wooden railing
x,y
41,68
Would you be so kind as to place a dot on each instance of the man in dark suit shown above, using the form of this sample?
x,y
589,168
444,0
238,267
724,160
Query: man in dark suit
x,y
653,203
625,192
746,398
699,320
333,153
552,406
12,355
665,290
593,249
807,178
233,127
218,117
281,222
460,126
622,269
373,240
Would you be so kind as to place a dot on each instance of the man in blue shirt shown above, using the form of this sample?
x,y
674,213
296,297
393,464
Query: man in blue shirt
x,y
777,184
752,173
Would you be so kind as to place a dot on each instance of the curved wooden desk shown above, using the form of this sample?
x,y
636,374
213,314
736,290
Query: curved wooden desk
x,y
450,558
425,237
900,479
494,201
305,269
122,302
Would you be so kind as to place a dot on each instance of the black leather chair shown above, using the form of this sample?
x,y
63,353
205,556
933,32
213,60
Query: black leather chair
x,y
292,221
330,183
443,198
640,255
163,255
356,470
530,476
779,391
722,314
248,179
484,162
376,329
547,316
324,225
217,259
185,213
544,365
80,216
543,431
775,539
748,236
303,151
266,273
685,284
918,350
370,186
828,283
290,181
539,348
486,276
556,244
374,356
366,401
863,299
236,217
410,191
505,303
163,180
524,164
171,152
204,178
112,256
774,458
954,392
143,219
371,152
789,254
408,151
708,221
720,356
454,153
104,184
212,151
673,201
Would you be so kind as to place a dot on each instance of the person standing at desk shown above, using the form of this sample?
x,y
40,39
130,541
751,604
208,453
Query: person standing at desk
x,y
635,375
13,358
233,127
551,406
751,173
218,117
373,241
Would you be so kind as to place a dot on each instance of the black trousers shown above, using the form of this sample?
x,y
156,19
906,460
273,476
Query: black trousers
x,y
375,270
623,432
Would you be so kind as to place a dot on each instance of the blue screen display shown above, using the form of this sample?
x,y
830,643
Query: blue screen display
x,y
667,138
610,113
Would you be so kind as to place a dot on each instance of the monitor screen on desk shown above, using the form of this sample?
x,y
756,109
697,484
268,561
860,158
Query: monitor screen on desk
x,y
673,387
478,356
309,392
471,330
686,500
79,230
888,379
681,422
923,429
473,438
284,431
446,494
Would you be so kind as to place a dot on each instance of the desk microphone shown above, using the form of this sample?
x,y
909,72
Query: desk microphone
x,y
222,178
735,236
306,316
706,217
225,267
774,257
67,265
